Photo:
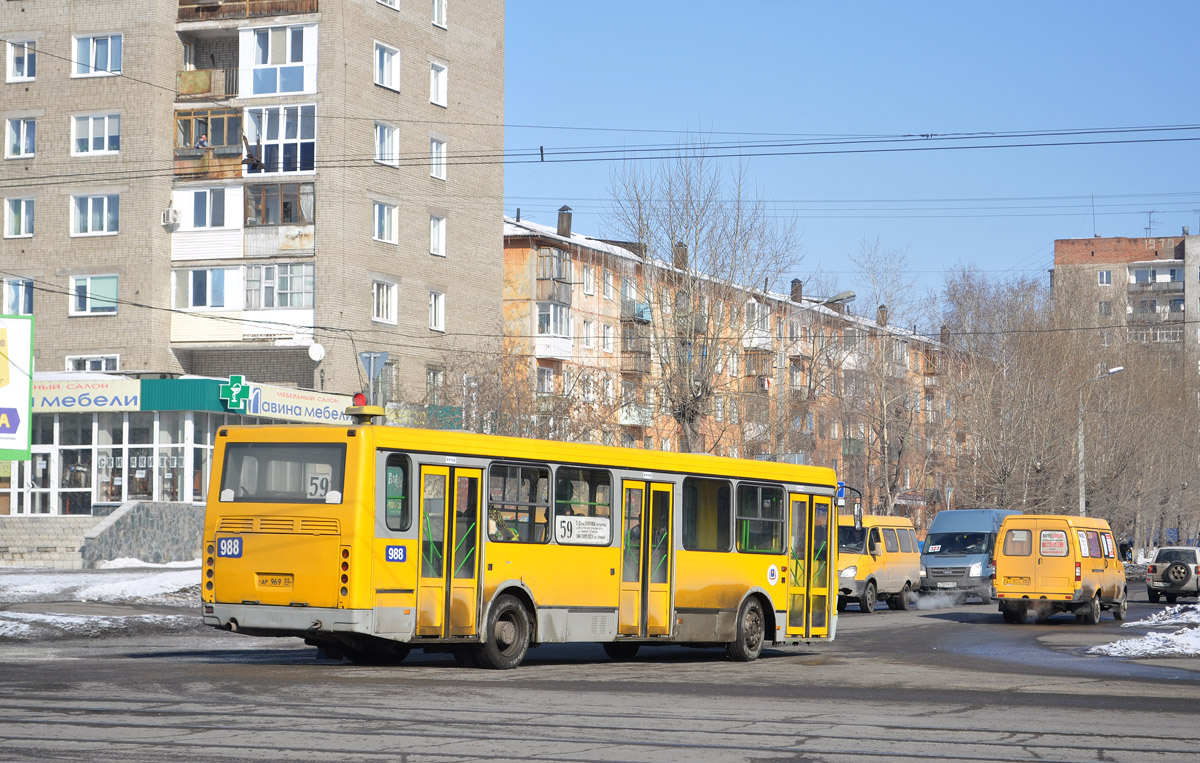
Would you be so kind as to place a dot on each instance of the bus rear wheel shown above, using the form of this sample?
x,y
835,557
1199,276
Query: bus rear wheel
x,y
507,635
620,650
751,630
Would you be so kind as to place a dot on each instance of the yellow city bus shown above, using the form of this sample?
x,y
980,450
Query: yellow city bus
x,y
368,541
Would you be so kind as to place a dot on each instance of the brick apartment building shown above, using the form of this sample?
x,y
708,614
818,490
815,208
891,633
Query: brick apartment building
x,y
209,188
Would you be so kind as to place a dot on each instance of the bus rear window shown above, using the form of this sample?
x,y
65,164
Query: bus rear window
x,y
271,472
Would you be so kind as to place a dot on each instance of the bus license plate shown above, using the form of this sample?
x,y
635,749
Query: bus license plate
x,y
948,585
274,581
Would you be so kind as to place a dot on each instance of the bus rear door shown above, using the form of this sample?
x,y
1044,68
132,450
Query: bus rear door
x,y
646,568
448,588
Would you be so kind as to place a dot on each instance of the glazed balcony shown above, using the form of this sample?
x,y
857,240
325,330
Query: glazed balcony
x,y
206,84
215,10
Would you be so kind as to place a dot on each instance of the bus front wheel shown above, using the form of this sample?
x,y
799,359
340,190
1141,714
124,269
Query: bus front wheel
x,y
751,630
507,635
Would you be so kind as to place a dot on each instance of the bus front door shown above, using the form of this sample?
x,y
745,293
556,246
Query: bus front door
x,y
646,567
448,589
809,568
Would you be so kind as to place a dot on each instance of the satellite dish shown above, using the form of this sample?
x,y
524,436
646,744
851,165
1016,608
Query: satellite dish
x,y
316,352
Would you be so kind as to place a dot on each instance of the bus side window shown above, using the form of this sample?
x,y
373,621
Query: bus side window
x,y
518,503
395,499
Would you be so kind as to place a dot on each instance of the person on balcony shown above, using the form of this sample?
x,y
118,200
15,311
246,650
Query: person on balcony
x,y
202,141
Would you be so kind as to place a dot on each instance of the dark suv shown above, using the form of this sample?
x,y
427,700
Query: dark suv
x,y
1174,572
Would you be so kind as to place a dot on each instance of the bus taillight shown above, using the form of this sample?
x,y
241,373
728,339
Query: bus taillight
x,y
209,563
345,570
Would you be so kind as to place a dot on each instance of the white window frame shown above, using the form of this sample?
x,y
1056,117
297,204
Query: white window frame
x,y
387,144
108,121
589,280
82,68
18,296
437,158
21,212
608,284
383,302
108,200
558,319
589,334
437,235
608,338
290,59
387,66
25,131
1104,277
545,380
437,311
302,115
393,4
28,49
89,309
215,292
383,227
285,275
94,362
214,199
439,13
439,84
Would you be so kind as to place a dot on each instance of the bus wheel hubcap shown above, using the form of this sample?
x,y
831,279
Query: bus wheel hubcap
x,y
506,632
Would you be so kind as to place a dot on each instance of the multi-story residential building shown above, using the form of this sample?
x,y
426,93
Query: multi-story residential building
x,y
618,350
1138,286
196,187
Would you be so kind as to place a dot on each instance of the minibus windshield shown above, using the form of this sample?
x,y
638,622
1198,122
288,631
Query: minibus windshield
x,y
852,540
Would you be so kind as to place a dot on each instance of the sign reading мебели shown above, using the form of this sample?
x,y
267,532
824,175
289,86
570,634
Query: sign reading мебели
x,y
16,385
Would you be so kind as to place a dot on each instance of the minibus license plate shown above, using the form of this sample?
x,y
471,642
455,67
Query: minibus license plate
x,y
274,581
948,585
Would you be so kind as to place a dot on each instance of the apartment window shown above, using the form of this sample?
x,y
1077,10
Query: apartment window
x,y
22,60
718,409
589,280
608,284
208,208
22,134
438,83
437,158
98,56
608,338
390,3
437,311
93,295
279,286
439,13
278,64
553,319
545,381
279,204
387,144
385,222
758,316
95,215
383,301
387,66
222,126
1143,275
589,340
93,362
1106,278
1175,275
435,383
199,288
1104,308
282,139
18,296
96,134
1177,305
437,236
18,218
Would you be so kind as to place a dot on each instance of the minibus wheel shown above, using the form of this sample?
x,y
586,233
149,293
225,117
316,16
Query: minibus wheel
x,y
507,635
751,629
1091,615
900,600
1014,616
866,602
1119,608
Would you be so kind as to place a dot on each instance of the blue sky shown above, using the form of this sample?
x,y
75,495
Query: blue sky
x,y
741,70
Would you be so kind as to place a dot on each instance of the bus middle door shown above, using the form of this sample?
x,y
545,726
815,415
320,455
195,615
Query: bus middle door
x,y
646,568
809,568
448,588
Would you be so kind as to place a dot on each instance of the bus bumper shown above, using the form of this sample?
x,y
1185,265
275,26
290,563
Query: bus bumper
x,y
268,620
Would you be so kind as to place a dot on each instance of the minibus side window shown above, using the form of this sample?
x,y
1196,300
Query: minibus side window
x,y
1018,543
1053,543
889,540
906,546
1109,548
1093,542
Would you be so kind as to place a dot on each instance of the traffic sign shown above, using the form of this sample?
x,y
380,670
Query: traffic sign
x,y
373,363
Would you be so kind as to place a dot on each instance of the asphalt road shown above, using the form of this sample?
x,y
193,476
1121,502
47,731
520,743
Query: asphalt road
x,y
944,684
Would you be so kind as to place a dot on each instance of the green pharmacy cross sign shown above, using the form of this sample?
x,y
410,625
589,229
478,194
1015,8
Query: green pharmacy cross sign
x,y
235,393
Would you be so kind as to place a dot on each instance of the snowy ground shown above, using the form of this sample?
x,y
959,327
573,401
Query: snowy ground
x,y
1183,642
39,604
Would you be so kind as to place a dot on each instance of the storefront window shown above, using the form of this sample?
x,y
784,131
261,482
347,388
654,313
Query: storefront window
x,y
170,472
74,429
170,427
42,432
111,429
201,457
141,428
140,472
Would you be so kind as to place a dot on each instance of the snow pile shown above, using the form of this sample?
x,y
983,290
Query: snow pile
x,y
1184,642
127,582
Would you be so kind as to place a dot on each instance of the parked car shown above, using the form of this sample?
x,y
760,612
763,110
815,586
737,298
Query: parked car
x,y
959,552
879,560
1058,563
1174,572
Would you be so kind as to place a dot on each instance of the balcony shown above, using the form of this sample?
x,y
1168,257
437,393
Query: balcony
x,y
756,339
206,84
552,348
632,310
688,324
223,156
1159,287
551,290
281,240
636,416
213,10
635,362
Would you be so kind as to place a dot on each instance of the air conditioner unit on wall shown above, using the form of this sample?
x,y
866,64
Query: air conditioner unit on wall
x,y
170,217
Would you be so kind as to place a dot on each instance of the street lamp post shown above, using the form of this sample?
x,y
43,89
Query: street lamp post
x,y
1082,488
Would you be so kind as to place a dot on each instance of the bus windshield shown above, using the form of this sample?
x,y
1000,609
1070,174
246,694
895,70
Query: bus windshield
x,y
852,540
283,473
958,543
